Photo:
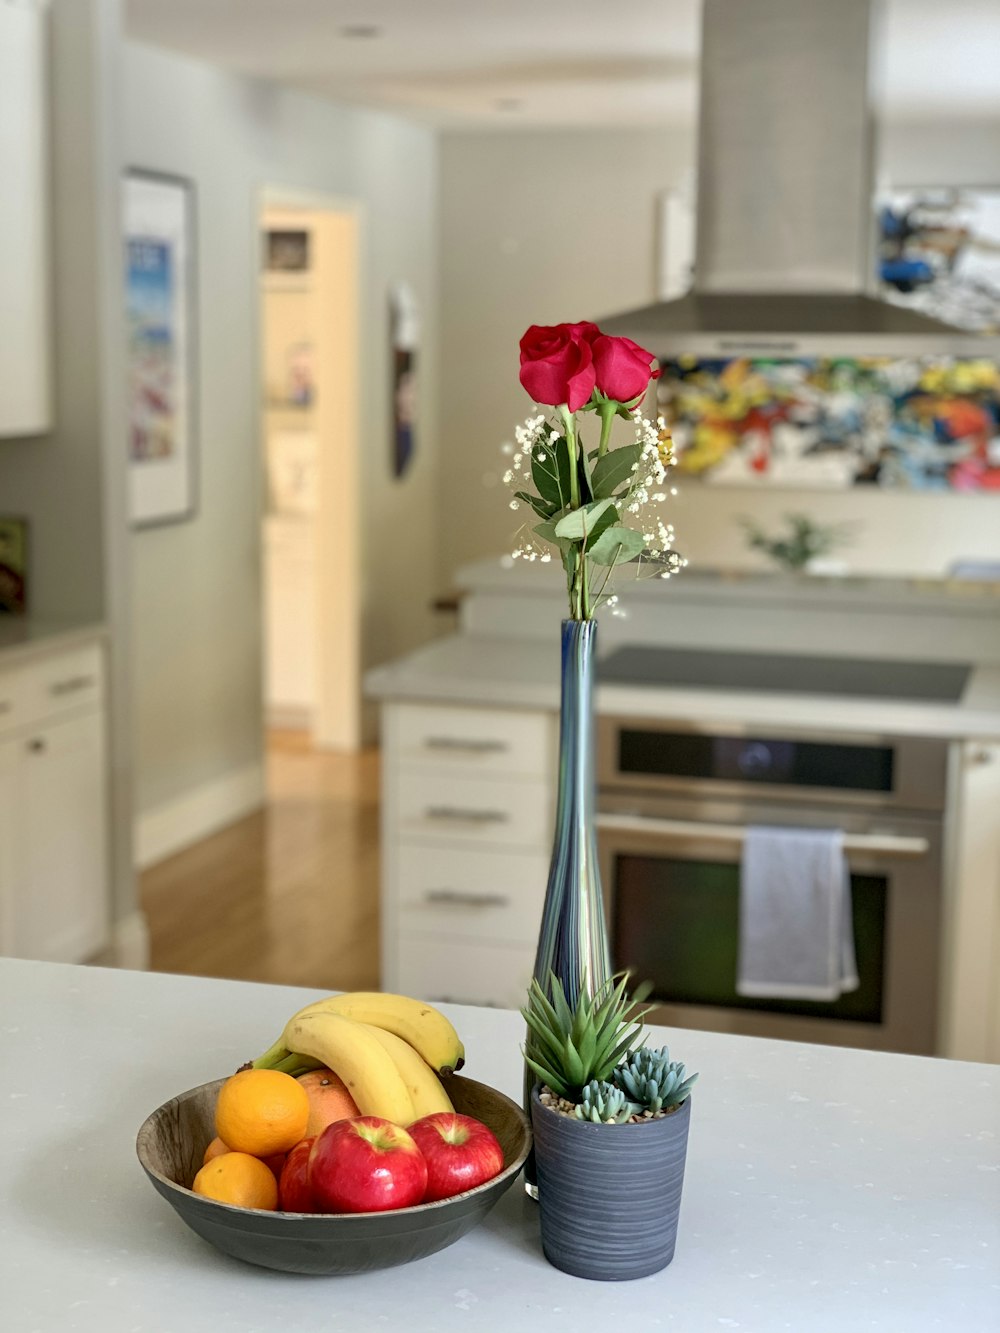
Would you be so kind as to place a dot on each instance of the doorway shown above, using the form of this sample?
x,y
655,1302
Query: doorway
x,y
309,324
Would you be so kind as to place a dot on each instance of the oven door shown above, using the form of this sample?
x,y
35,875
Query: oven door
x,y
672,880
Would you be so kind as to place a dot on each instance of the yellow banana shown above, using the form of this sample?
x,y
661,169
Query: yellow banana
x,y
422,1083
426,1029
353,1053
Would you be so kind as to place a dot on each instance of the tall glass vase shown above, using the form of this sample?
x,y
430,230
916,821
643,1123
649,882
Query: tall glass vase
x,y
573,939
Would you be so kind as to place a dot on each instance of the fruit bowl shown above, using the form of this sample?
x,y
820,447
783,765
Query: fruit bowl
x,y
172,1140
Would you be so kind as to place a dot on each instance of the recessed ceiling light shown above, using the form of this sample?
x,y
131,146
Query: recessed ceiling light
x,y
361,31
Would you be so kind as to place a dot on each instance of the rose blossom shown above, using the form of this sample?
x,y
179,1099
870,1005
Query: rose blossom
x,y
622,368
557,366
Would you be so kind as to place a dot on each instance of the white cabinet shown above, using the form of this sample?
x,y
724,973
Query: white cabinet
x,y
468,808
24,262
54,808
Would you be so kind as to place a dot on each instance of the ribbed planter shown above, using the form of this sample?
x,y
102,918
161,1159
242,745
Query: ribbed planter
x,y
609,1195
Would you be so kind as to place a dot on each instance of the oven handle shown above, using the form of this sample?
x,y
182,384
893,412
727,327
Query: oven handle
x,y
881,844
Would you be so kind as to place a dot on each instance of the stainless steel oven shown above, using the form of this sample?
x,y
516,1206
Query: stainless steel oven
x,y
673,806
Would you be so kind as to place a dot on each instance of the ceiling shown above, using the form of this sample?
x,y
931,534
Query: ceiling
x,y
534,63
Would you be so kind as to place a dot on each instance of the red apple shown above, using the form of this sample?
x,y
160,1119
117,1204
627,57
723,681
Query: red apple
x,y
366,1165
294,1191
461,1153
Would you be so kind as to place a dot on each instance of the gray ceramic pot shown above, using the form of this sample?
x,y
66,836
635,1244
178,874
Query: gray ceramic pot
x,y
609,1195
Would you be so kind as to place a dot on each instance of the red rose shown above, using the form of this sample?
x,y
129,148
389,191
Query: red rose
x,y
556,364
623,368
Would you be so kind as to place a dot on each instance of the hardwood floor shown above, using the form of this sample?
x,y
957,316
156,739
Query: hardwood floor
x,y
289,894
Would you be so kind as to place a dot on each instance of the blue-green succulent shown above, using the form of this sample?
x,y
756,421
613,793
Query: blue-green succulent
x,y
604,1104
653,1081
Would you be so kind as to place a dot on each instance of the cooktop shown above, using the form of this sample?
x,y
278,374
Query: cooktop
x,y
646,664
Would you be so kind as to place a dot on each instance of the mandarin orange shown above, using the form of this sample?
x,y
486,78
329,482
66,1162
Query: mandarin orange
x,y
238,1178
261,1111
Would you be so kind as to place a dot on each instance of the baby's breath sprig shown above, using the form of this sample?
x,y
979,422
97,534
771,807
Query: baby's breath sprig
x,y
609,518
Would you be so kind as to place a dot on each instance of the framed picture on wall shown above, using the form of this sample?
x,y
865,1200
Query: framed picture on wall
x,y
158,220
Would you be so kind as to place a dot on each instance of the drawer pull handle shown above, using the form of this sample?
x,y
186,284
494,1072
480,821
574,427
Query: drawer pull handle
x,y
458,898
70,685
465,746
37,745
456,815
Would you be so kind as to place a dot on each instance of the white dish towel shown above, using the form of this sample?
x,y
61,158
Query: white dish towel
x,y
796,925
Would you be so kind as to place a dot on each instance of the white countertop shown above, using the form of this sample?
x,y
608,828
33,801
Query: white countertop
x,y
489,671
827,1189
24,637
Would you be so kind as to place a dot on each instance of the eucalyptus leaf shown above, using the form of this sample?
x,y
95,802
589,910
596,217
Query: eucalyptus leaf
x,y
541,507
577,521
550,472
614,470
616,545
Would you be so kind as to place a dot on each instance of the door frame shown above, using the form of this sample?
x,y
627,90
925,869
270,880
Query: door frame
x,y
337,719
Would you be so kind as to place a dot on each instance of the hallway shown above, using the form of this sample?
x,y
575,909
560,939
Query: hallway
x,y
289,894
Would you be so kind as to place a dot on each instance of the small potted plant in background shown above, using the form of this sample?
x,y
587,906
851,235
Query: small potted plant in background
x,y
610,1124
804,544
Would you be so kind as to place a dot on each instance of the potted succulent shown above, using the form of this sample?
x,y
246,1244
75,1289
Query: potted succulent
x,y
610,1124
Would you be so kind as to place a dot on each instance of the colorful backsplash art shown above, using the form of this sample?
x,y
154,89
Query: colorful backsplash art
x,y
832,422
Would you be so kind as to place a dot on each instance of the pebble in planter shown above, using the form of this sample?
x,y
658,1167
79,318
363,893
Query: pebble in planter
x,y
610,1127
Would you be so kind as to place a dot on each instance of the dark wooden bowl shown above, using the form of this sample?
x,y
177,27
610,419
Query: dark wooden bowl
x,y
172,1141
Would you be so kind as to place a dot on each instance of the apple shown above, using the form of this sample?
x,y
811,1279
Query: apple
x,y
294,1191
366,1165
460,1152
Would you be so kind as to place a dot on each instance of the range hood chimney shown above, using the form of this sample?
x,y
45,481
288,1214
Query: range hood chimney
x,y
785,249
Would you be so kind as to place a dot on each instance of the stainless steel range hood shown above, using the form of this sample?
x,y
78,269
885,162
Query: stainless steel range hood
x,y
785,216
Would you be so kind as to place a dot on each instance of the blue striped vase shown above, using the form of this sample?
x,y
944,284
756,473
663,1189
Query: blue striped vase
x,y
573,939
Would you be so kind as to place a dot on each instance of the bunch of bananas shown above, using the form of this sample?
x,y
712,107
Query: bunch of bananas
x,y
388,1049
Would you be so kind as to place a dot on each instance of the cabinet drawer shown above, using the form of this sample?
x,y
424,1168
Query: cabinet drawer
x,y
475,739
488,896
491,812
51,686
463,973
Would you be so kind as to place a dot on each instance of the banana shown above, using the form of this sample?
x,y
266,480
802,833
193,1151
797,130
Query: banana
x,y
421,1025
355,1054
422,1083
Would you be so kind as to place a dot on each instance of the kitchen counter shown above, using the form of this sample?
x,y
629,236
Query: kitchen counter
x,y
504,671
827,1189
24,637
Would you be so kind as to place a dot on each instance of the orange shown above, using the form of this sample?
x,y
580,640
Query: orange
x,y
261,1111
236,1177
215,1149
329,1100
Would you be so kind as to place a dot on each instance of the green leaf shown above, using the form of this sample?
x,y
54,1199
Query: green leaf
x,y
573,524
547,532
551,474
541,507
607,520
614,470
616,545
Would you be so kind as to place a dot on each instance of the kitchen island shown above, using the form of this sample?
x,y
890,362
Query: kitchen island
x,y
826,1189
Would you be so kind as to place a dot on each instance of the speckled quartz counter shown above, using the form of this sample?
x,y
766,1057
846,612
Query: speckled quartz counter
x,y
23,637
827,1189
507,672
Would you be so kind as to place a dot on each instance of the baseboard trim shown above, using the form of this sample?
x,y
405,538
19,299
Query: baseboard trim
x,y
171,827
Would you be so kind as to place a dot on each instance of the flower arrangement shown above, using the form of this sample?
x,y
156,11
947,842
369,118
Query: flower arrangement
x,y
589,499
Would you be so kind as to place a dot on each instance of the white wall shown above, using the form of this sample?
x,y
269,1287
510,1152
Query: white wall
x,y
197,603
537,229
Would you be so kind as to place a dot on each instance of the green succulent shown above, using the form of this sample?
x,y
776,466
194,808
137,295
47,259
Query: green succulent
x,y
654,1081
568,1047
604,1104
